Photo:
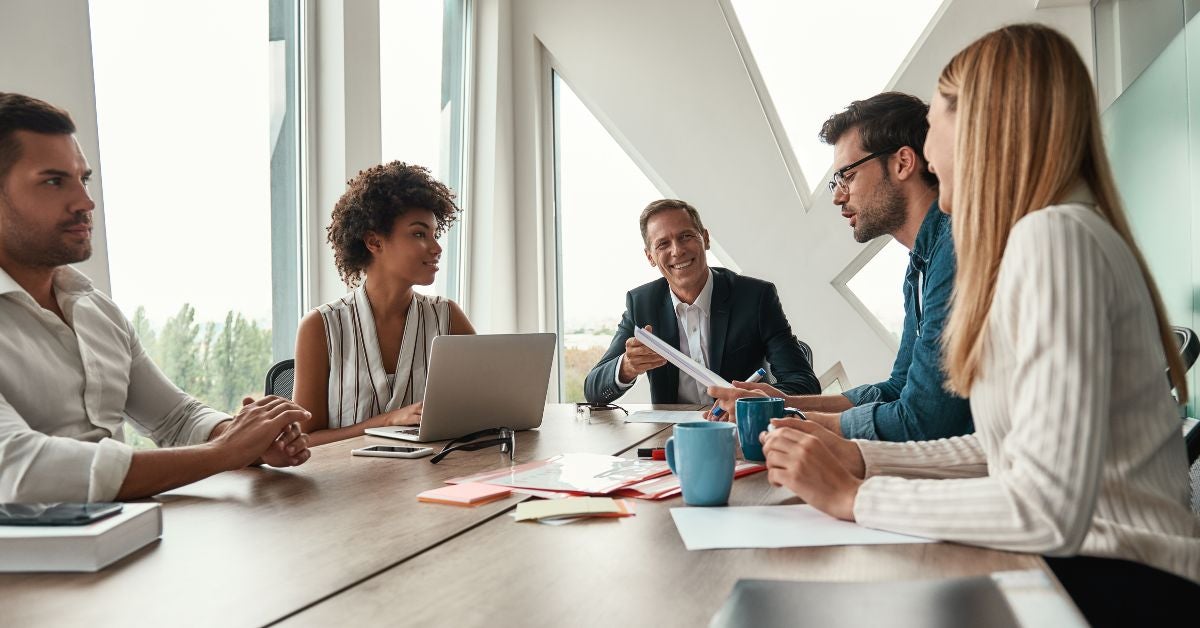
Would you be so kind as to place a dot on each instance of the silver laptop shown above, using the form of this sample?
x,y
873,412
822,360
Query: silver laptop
x,y
479,382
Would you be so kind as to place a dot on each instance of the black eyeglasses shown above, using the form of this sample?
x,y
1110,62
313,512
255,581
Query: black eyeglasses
x,y
506,438
842,182
597,407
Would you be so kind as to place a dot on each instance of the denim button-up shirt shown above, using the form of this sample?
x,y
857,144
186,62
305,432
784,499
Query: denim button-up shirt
x,y
913,403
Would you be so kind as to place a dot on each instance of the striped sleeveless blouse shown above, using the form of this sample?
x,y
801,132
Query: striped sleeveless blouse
x,y
359,384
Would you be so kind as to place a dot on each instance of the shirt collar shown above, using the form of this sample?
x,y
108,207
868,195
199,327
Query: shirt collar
x,y
930,231
66,280
704,301
8,284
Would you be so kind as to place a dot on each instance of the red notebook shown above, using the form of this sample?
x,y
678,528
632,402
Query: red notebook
x,y
471,494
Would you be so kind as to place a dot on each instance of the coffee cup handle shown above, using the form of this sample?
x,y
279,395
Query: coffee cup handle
x,y
670,451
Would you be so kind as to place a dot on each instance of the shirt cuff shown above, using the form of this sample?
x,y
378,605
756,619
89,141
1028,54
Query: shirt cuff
x,y
617,375
866,503
867,393
203,426
859,422
110,465
874,455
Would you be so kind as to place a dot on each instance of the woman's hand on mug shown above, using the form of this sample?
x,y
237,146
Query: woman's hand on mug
x,y
798,459
846,452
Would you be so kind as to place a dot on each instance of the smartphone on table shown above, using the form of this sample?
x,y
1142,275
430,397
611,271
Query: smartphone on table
x,y
392,451
65,514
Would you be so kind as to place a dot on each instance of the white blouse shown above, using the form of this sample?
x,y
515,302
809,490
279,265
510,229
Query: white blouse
x,y
359,385
1077,447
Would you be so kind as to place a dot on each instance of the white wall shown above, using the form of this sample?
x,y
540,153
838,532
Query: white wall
x,y
667,80
47,53
343,119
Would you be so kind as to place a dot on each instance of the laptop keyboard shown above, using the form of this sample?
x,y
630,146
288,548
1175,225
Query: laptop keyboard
x,y
413,431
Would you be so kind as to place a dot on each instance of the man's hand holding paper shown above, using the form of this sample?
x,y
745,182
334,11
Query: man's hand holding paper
x,y
638,359
685,364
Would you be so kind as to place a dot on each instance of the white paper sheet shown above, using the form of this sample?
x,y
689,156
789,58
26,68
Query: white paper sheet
x,y
774,526
666,416
692,368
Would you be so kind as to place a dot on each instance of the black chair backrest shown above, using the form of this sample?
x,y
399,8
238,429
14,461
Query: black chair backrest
x,y
1189,350
807,351
1189,346
281,378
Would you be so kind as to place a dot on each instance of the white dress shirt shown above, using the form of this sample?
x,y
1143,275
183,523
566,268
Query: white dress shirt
x,y
693,321
65,389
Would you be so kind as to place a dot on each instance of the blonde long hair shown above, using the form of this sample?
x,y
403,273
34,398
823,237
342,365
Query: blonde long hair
x,y
1027,132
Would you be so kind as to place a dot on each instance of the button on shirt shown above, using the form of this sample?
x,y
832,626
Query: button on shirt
x,y
66,388
693,320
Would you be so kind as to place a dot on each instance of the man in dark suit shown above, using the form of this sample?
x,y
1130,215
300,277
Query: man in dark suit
x,y
730,323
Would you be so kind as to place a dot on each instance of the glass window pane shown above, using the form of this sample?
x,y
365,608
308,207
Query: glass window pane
x,y
601,193
187,136
813,70
421,57
879,285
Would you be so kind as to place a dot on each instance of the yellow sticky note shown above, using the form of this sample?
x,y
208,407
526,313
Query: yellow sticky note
x,y
568,507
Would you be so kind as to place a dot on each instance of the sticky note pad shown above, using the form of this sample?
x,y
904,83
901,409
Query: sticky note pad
x,y
470,494
569,507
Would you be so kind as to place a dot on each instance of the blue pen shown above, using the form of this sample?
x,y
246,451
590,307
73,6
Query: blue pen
x,y
756,377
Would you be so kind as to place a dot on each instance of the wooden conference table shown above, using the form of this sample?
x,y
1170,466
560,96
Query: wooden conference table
x,y
342,540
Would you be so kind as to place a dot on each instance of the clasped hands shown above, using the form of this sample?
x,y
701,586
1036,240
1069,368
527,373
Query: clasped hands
x,y
265,431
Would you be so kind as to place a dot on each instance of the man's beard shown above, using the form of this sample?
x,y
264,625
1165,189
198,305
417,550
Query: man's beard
x,y
23,245
884,216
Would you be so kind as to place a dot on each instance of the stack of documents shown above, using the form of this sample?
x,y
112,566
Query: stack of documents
x,y
470,494
572,474
668,485
572,509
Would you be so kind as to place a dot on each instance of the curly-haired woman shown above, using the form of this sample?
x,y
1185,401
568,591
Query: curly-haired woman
x,y
361,360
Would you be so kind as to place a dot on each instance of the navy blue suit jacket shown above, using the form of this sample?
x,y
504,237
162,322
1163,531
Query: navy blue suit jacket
x,y
747,330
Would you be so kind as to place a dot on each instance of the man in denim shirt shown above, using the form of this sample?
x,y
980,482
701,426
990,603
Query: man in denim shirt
x,y
896,197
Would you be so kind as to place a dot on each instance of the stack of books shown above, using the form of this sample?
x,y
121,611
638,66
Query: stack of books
x,y
89,547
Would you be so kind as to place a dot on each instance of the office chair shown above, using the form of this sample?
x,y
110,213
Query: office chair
x,y
281,378
807,351
1189,348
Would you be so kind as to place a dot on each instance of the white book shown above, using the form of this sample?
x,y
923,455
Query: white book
x,y
90,547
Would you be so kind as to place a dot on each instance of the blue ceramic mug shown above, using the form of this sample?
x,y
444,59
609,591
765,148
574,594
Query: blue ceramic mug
x,y
753,415
702,455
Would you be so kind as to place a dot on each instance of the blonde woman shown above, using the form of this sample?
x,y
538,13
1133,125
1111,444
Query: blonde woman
x,y
1058,336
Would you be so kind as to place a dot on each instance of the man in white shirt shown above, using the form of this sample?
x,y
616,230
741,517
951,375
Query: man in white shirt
x,y
71,367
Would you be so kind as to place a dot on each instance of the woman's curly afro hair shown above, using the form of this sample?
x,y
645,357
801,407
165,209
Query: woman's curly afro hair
x,y
373,202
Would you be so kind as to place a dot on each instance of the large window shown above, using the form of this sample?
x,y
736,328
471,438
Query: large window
x,y
812,69
196,106
879,287
600,194
816,57
422,67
